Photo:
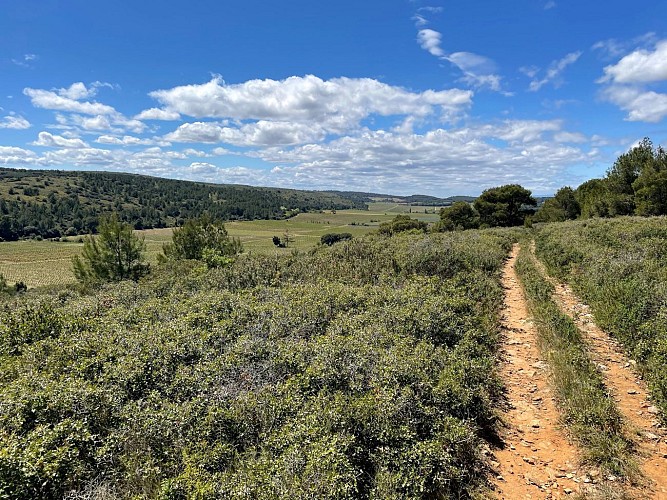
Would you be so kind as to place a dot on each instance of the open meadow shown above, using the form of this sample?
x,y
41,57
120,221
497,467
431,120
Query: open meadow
x,y
44,263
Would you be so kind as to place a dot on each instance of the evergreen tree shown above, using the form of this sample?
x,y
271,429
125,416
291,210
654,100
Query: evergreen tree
x,y
115,254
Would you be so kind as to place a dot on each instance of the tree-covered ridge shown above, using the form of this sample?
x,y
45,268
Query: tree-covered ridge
x,y
365,369
51,203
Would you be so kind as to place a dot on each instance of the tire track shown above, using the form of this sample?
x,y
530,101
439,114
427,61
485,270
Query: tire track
x,y
535,458
625,385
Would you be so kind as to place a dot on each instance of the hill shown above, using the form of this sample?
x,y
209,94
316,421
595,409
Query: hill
x,y
52,203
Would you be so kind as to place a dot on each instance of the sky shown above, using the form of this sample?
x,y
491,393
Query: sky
x,y
437,97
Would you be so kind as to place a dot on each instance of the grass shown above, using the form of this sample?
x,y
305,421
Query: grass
x,y
589,412
45,263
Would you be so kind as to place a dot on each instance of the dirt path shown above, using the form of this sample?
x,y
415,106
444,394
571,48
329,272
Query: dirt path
x,y
535,459
629,391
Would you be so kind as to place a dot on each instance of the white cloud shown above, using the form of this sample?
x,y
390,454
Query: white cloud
x,y
629,81
14,122
261,133
555,69
478,71
430,41
10,155
47,99
641,105
49,140
641,66
613,48
336,105
458,161
158,114
25,61
126,140
573,137
549,5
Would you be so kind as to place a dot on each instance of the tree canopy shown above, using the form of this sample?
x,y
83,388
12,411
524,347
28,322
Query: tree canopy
x,y
402,223
202,238
504,206
459,215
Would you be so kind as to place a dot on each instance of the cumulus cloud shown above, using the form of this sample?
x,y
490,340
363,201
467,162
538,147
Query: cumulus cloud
x,y
53,100
261,133
126,140
628,83
11,155
71,100
336,105
158,114
613,48
641,66
49,140
430,41
453,160
641,105
554,71
14,122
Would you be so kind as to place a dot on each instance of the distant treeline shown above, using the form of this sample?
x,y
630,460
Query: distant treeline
x,y
51,204
636,184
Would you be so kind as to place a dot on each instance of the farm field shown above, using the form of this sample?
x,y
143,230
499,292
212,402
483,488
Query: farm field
x,y
43,263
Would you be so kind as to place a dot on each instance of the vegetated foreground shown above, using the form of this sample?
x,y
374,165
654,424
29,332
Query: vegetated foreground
x,y
619,267
361,370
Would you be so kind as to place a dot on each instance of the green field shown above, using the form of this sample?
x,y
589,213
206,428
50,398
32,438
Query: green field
x,y
44,263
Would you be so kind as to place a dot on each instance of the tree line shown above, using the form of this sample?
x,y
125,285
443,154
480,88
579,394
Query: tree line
x,y
636,184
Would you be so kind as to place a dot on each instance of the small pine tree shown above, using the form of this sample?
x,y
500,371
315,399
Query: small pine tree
x,y
115,254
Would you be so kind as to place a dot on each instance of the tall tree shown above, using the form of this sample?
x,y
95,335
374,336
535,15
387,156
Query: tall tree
x,y
116,254
505,205
563,206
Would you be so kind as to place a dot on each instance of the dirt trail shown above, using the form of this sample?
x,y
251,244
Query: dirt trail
x,y
536,459
629,391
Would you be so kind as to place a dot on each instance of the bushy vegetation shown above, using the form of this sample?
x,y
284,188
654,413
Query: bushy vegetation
x,y
204,239
588,410
360,370
619,267
402,223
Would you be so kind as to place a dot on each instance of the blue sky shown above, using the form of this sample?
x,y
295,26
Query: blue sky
x,y
433,97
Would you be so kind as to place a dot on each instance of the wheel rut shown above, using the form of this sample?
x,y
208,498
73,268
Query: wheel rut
x,y
535,458
627,388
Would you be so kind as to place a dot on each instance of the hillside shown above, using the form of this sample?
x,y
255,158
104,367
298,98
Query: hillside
x,y
52,203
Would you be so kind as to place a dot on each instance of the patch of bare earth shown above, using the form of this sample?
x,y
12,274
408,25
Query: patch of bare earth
x,y
535,458
628,389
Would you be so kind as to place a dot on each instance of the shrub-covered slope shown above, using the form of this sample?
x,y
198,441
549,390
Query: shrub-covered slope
x,y
361,370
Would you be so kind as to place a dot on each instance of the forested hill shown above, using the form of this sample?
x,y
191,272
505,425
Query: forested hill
x,y
51,203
